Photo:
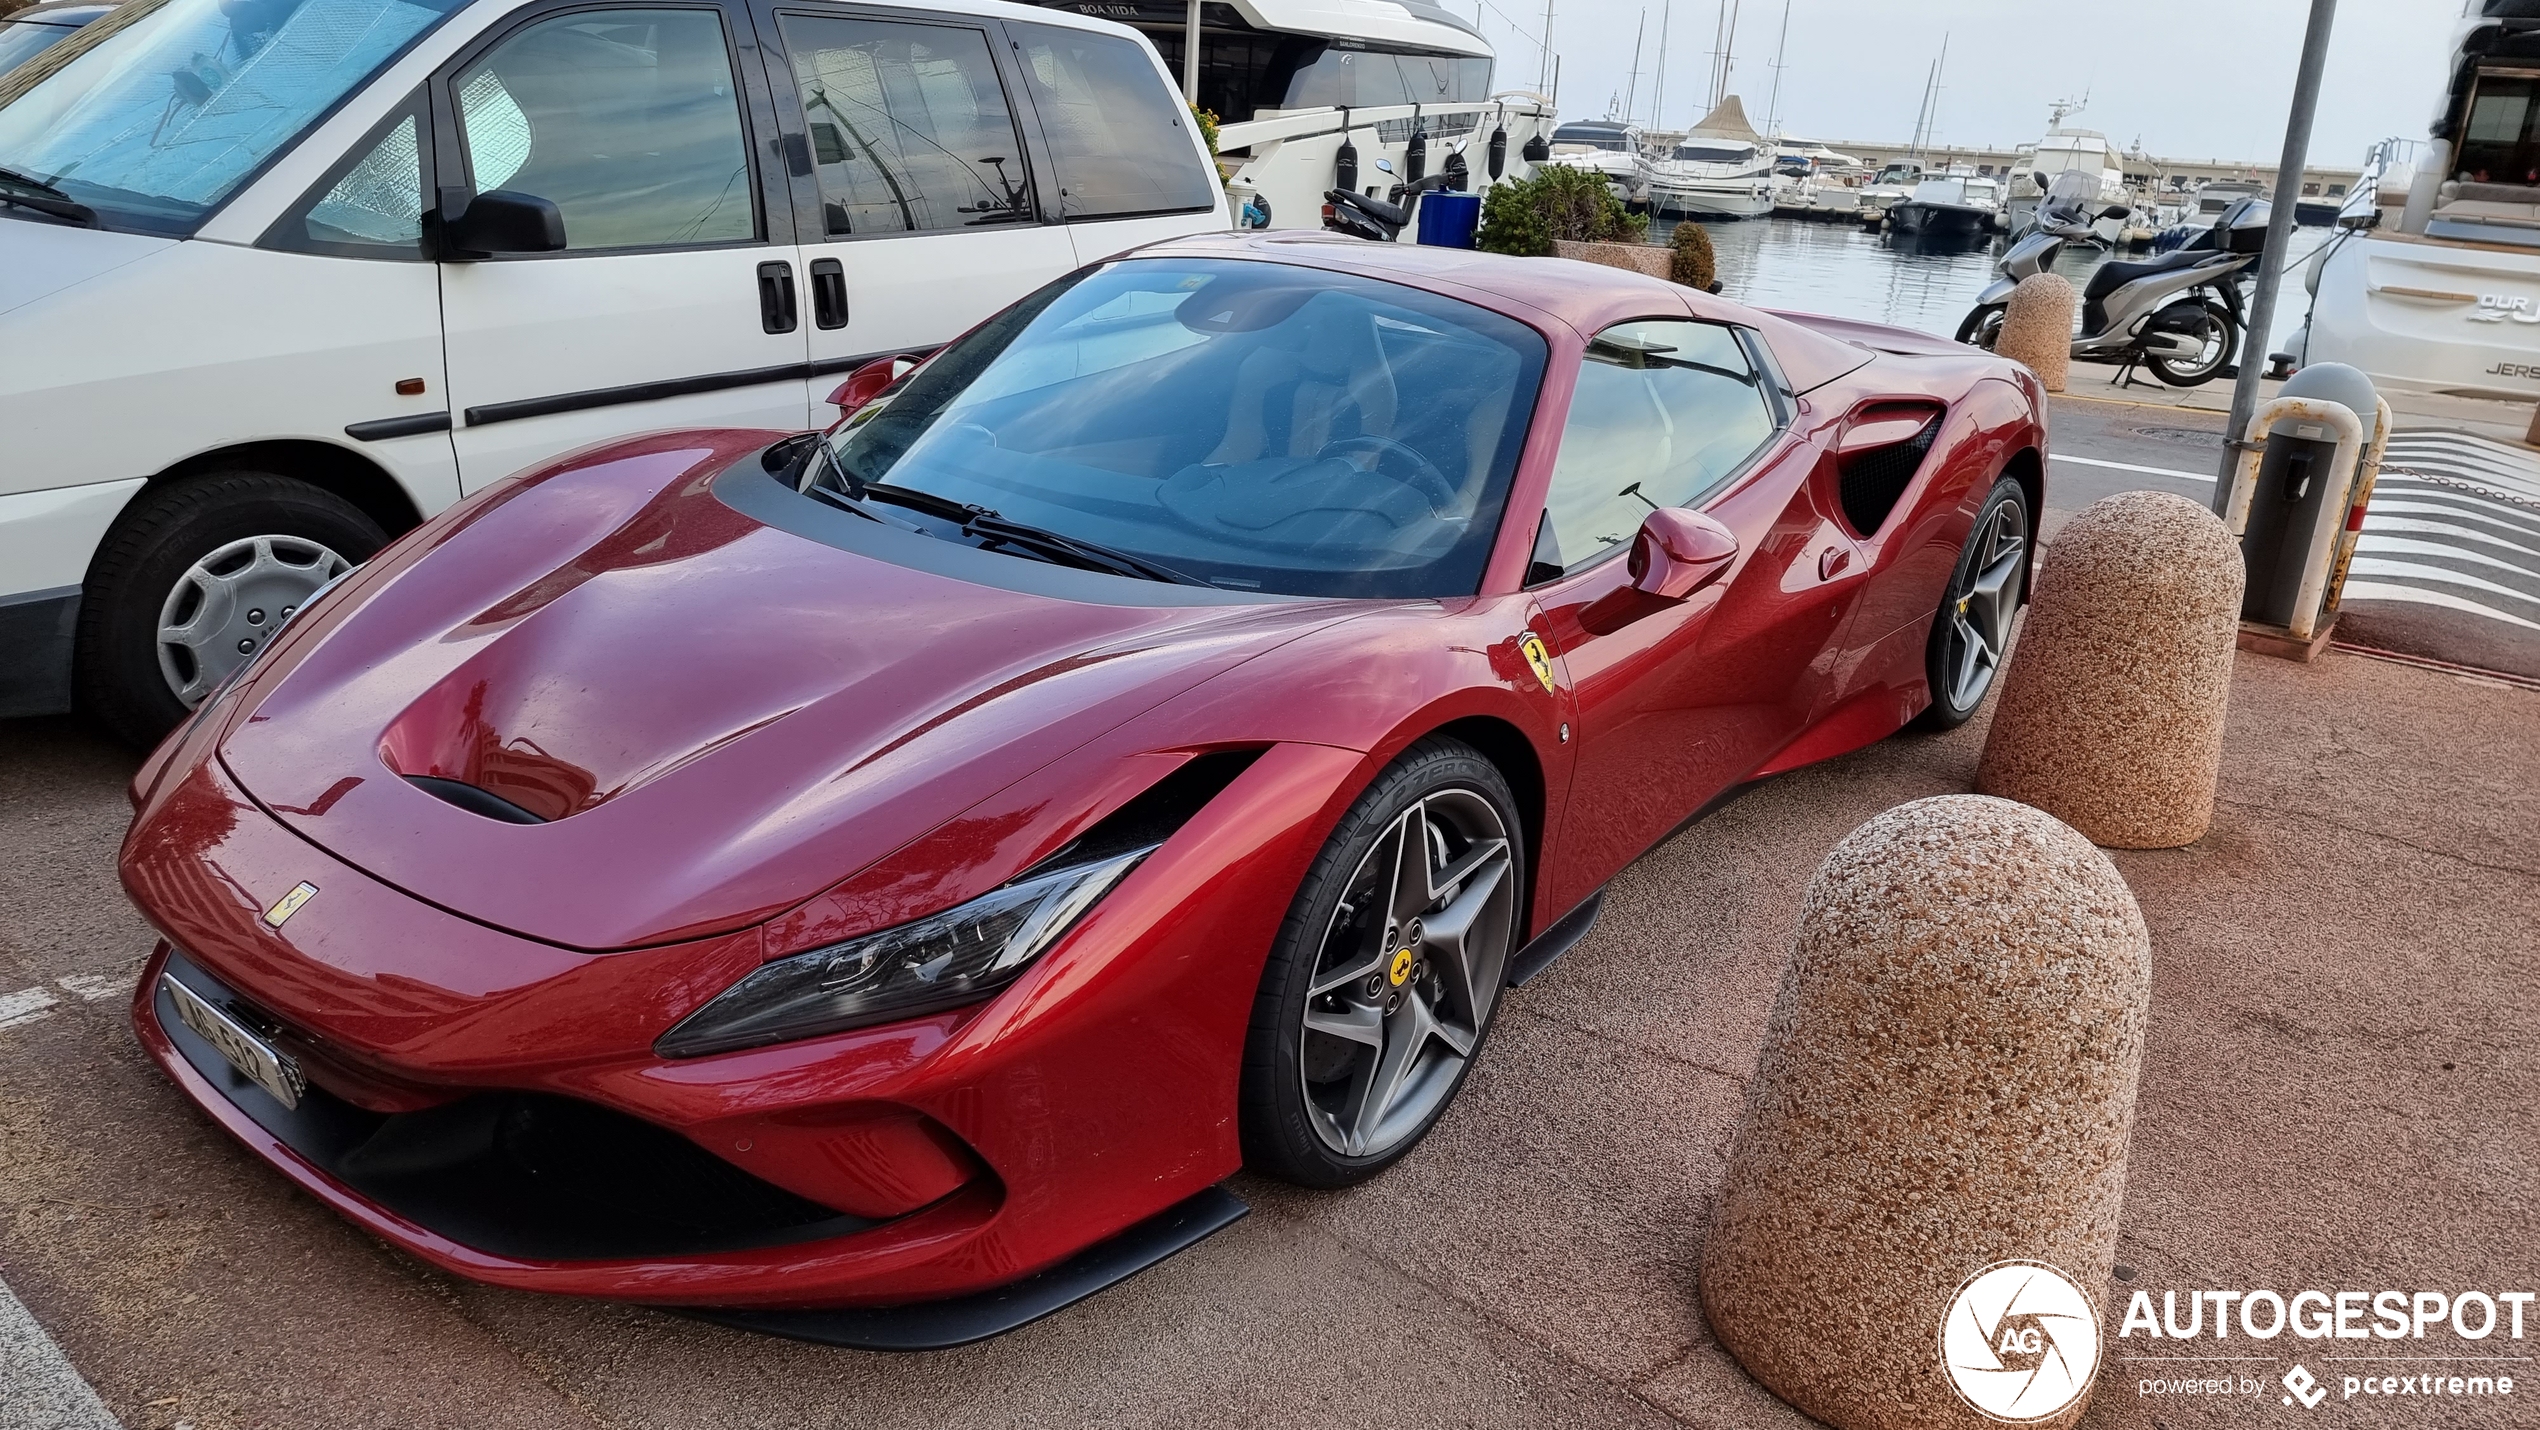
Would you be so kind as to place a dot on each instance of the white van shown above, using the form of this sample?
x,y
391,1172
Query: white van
x,y
281,278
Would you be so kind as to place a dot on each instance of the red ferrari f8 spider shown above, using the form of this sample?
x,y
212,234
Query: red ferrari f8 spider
x,y
875,885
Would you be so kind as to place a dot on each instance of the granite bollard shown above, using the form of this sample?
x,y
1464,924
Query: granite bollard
x,y
1948,1083
2037,328
2111,716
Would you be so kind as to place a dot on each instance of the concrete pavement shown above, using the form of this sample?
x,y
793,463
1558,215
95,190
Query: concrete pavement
x,y
2343,1089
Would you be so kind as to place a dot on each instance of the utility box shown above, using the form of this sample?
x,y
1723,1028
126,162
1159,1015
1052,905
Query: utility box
x,y
2297,498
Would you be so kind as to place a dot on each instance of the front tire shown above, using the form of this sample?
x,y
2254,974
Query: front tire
x,y
192,582
1982,326
1384,978
1973,629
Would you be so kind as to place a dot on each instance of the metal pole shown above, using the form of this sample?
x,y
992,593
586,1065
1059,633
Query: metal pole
x,y
1190,54
2288,188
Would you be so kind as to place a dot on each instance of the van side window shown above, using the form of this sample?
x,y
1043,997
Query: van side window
x,y
370,205
626,120
1664,414
1120,136
910,130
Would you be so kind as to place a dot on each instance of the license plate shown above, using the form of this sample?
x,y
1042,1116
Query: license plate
x,y
255,1059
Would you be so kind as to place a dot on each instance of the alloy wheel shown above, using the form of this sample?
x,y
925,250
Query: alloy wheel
x,y
228,605
1408,972
1979,612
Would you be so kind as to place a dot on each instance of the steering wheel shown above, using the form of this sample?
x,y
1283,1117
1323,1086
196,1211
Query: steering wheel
x,y
1422,475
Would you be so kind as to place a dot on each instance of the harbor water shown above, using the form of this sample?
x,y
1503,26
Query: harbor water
x,y
1841,269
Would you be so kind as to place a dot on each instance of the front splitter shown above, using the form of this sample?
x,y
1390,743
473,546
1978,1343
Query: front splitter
x,y
941,1325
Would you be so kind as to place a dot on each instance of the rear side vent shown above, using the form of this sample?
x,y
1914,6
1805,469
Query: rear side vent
x,y
475,801
1874,477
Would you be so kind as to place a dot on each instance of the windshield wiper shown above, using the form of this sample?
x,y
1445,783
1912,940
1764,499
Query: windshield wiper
x,y
996,530
44,198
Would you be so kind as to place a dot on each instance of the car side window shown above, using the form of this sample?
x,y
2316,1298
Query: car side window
x,y
1666,411
370,205
627,120
909,125
1120,138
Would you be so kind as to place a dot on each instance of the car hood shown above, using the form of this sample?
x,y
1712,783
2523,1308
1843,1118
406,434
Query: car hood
x,y
39,258
712,718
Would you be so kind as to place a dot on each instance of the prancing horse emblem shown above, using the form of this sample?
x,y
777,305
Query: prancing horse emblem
x,y
289,903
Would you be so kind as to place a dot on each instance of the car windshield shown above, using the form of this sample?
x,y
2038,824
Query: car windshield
x,y
1253,426
157,122
23,40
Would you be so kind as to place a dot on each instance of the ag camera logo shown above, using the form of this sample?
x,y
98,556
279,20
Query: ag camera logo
x,y
2020,1342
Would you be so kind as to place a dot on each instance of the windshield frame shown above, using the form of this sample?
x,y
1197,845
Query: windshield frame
x,y
975,357
105,30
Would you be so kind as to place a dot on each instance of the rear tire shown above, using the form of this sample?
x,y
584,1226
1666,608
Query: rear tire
x,y
283,535
1384,978
2222,339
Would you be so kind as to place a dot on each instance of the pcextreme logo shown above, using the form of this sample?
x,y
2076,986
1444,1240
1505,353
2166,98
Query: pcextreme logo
x,y
2020,1342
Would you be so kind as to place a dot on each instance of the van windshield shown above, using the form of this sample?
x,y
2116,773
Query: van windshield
x,y
153,124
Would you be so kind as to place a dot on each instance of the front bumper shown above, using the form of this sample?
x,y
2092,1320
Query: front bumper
x,y
492,1106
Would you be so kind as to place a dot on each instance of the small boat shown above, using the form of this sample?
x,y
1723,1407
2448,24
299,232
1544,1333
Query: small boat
x,y
1721,168
1613,147
1950,206
1889,187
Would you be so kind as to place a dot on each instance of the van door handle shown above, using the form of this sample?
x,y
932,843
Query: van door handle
x,y
776,298
828,293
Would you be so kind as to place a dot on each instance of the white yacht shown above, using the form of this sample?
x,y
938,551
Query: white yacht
x,y
1311,94
1615,148
1721,168
2062,149
2443,294
1893,184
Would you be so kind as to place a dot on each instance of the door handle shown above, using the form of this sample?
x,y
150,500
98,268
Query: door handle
x,y
828,293
776,298
1832,562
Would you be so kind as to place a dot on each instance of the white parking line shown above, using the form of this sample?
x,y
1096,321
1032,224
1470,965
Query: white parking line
x,y
93,986
39,1387
29,1005
2205,477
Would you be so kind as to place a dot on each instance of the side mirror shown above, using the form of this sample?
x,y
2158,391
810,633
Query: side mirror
x,y
504,221
1676,553
1384,166
2115,211
865,384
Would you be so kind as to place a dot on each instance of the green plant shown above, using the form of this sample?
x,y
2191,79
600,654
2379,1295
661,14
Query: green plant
x,y
1527,216
1694,265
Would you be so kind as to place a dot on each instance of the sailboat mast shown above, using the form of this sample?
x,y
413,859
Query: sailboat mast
x,y
1773,111
1543,76
1631,92
1658,82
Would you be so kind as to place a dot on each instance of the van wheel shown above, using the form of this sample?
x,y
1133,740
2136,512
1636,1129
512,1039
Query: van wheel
x,y
194,580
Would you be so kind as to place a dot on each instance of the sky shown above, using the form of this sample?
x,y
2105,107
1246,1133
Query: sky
x,y
2192,79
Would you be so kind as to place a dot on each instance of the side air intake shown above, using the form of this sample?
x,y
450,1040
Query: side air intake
x,y
1874,473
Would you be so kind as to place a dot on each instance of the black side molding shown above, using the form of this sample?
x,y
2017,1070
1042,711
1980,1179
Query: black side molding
x,y
492,412
1555,941
384,427
941,1325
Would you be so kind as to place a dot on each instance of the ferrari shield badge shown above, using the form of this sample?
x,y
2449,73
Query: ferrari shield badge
x,y
1537,658
289,903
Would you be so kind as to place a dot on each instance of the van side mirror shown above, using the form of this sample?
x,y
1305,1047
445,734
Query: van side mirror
x,y
1676,553
505,221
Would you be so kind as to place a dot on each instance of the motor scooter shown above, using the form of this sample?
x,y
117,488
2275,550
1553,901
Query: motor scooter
x,y
1383,220
2179,313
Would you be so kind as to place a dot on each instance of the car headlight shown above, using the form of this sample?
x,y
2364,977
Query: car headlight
x,y
941,961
